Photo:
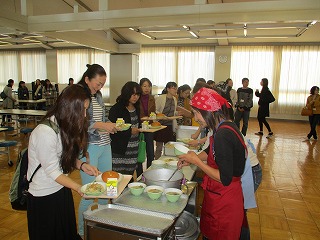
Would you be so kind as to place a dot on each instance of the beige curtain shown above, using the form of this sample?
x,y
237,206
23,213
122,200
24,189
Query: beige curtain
x,y
9,67
291,71
33,66
182,65
72,64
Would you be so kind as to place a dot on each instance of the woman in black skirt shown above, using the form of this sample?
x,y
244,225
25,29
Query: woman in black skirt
x,y
50,210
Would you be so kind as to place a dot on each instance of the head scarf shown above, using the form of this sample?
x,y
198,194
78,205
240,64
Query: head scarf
x,y
208,100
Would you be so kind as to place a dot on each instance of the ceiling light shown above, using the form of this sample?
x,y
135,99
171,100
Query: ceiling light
x,y
4,43
245,31
272,37
222,37
174,39
313,22
193,34
161,31
148,36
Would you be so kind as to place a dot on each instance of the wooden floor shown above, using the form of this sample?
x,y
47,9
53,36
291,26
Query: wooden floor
x,y
288,197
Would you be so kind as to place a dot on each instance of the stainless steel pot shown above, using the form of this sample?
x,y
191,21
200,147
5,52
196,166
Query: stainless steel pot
x,y
160,177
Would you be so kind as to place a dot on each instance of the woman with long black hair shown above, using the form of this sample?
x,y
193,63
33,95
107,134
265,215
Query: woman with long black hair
x,y
265,98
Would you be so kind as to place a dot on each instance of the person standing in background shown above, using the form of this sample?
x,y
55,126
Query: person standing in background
x,y
183,99
147,105
265,98
243,105
125,144
8,102
313,102
23,94
99,148
166,104
70,81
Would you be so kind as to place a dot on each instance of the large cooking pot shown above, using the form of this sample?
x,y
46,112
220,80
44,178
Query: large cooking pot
x,y
160,177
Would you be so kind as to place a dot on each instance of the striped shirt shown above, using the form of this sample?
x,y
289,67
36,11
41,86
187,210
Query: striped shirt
x,y
97,116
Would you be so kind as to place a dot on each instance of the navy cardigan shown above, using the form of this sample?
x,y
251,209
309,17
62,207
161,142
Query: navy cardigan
x,y
120,140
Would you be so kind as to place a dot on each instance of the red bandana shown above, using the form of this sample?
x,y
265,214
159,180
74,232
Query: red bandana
x,y
208,100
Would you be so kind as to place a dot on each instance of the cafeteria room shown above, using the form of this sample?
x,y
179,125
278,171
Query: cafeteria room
x,y
159,119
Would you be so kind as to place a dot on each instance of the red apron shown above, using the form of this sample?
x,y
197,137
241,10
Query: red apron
x,y
222,208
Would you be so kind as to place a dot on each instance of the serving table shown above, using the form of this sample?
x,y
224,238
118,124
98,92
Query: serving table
x,y
139,217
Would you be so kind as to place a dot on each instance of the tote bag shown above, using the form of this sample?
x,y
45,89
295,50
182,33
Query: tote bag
x,y
306,112
141,149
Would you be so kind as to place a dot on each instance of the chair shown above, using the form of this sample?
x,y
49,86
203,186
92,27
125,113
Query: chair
x,y
7,145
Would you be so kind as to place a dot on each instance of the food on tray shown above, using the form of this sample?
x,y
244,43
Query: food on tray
x,y
109,174
153,115
154,191
120,122
169,160
94,188
184,140
160,115
156,124
173,193
137,187
169,145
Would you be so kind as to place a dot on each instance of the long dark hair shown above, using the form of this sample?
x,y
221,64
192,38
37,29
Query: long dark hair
x,y
91,72
213,118
127,91
169,85
183,88
73,125
314,88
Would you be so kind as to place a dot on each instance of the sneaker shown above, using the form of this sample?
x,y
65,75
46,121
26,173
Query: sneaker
x,y
309,136
270,134
259,133
315,137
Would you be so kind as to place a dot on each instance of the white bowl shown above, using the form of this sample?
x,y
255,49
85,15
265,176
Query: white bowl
x,y
180,149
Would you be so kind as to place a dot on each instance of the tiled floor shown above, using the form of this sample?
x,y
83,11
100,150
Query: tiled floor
x,y
288,197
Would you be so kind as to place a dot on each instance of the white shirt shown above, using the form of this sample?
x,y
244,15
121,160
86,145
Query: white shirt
x,y
45,148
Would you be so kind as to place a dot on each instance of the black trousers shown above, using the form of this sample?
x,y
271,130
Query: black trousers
x,y
263,120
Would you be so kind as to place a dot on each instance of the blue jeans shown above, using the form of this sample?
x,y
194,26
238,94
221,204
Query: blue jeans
x,y
257,176
100,157
245,117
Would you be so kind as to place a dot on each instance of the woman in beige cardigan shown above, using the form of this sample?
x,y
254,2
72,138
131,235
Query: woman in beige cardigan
x,y
313,102
166,104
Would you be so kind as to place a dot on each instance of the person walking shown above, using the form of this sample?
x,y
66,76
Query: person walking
x,y
313,102
265,98
243,105
8,102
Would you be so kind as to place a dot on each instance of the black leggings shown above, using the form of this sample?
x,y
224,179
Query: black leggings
x,y
263,120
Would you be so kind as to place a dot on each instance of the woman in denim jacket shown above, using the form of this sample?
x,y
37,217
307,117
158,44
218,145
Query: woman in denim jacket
x,y
99,148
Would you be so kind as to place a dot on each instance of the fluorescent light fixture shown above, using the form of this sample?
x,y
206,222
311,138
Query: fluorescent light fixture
x,y
245,31
4,43
313,22
148,36
132,29
271,37
162,31
185,27
193,34
220,37
174,39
